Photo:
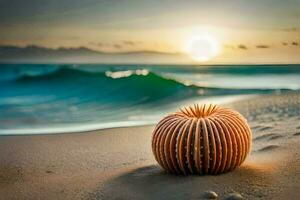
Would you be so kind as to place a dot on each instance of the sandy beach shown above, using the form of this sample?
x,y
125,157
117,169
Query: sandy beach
x,y
118,163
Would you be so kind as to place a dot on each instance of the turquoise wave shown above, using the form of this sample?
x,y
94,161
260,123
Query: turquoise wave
x,y
55,95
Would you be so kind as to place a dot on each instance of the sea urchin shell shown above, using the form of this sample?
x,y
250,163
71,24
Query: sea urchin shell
x,y
201,139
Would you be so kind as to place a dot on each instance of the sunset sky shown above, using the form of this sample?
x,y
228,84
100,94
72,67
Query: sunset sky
x,y
267,31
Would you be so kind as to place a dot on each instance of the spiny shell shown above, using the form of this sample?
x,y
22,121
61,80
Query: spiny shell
x,y
201,139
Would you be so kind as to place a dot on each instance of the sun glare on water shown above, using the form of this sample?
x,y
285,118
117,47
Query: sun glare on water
x,y
202,48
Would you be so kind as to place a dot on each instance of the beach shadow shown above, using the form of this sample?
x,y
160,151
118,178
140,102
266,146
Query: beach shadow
x,y
152,182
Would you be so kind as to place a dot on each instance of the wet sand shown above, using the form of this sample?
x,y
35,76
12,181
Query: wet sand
x,y
118,163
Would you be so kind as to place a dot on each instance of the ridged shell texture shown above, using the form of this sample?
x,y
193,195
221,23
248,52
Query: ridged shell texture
x,y
201,139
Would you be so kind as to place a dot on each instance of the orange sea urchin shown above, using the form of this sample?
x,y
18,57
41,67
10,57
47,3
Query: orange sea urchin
x,y
201,139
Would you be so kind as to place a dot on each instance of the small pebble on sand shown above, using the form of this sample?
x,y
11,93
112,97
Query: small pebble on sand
x,y
234,196
210,195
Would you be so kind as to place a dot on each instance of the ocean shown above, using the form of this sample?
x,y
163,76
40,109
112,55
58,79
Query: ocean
x,y
56,98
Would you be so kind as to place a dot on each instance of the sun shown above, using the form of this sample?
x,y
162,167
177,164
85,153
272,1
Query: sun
x,y
202,48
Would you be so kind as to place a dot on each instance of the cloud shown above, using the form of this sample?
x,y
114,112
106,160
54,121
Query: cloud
x,y
262,46
294,43
242,46
107,45
100,44
117,46
131,43
293,29
236,47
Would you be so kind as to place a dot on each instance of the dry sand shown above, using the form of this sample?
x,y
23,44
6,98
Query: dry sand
x,y
118,163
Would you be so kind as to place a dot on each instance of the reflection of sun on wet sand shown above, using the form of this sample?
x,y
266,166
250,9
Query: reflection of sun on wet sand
x,y
118,163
